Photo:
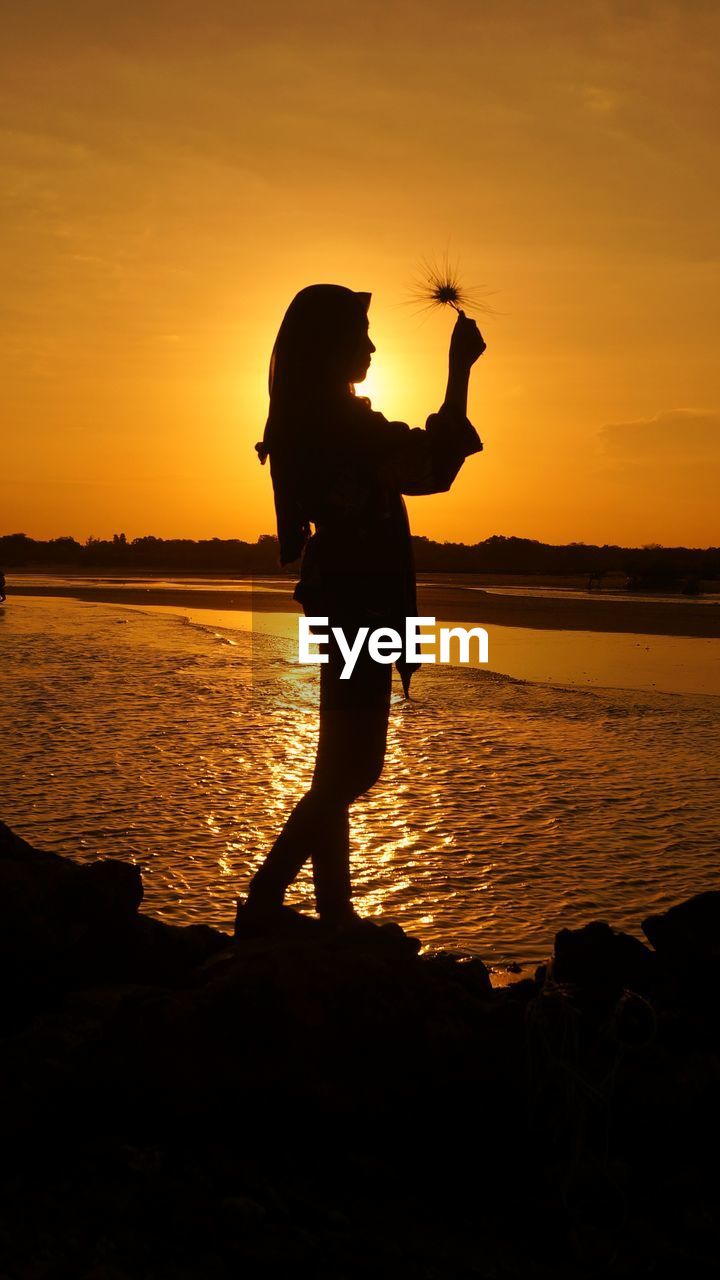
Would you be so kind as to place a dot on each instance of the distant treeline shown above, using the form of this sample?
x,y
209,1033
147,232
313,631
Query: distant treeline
x,y
649,565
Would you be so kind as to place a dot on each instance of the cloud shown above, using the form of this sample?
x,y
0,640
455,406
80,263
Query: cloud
x,y
676,433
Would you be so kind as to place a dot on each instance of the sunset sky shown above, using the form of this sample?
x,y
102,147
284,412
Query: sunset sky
x,y
175,172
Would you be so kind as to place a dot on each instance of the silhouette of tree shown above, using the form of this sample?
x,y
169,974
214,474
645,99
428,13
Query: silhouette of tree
x,y
648,567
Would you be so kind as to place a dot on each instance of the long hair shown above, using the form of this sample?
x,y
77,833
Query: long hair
x,y
307,379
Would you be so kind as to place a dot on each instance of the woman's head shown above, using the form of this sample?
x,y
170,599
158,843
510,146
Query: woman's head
x,y
322,347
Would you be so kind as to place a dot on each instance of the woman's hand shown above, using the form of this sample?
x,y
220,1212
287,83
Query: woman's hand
x,y
466,343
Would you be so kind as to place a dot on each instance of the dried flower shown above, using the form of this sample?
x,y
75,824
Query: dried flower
x,y
439,286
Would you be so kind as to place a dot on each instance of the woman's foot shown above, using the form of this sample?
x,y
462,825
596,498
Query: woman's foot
x,y
341,919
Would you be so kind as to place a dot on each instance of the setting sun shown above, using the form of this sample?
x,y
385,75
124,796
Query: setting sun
x,y
377,386
170,204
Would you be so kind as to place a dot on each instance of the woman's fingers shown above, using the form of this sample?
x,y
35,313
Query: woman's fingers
x,y
467,342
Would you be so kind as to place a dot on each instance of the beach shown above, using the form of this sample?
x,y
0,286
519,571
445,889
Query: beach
x,y
478,599
179,736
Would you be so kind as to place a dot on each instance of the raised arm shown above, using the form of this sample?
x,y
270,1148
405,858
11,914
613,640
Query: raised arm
x,y
466,346
427,461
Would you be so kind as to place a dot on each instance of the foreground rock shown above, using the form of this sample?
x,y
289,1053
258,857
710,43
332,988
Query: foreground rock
x,y
64,925
180,1105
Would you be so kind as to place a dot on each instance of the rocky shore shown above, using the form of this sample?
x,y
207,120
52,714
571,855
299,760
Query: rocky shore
x,y
335,1105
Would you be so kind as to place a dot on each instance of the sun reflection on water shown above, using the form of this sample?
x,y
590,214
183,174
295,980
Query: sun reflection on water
x,y
503,809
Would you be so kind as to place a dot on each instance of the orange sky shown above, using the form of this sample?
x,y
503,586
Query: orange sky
x,y
178,171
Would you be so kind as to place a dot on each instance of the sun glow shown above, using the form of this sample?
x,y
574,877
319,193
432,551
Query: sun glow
x,y
376,386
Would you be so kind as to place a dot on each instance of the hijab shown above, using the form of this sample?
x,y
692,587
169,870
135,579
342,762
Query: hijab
x,y
306,385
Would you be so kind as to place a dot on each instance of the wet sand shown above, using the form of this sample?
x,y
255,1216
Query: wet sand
x,y
670,618
451,601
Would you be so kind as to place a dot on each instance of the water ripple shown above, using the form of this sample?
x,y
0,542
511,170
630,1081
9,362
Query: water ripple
x,y
506,809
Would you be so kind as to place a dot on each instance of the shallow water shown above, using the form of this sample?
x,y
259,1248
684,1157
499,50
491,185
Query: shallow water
x,y
507,808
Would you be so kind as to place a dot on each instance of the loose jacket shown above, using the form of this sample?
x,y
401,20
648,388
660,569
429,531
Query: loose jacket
x,y
357,568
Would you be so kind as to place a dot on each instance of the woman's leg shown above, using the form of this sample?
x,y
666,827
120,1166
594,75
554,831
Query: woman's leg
x,y
350,755
303,830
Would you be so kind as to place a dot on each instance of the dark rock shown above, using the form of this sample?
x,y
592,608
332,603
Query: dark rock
x,y
635,1020
281,923
27,876
687,937
14,849
601,962
65,924
157,952
242,1212
472,970
181,1103
519,992
389,937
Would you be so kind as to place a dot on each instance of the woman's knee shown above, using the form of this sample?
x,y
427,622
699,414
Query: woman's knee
x,y
345,785
365,777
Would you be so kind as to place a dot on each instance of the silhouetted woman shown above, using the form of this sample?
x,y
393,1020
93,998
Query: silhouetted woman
x,y
340,467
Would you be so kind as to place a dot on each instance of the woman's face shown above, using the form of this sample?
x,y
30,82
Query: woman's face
x,y
360,355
